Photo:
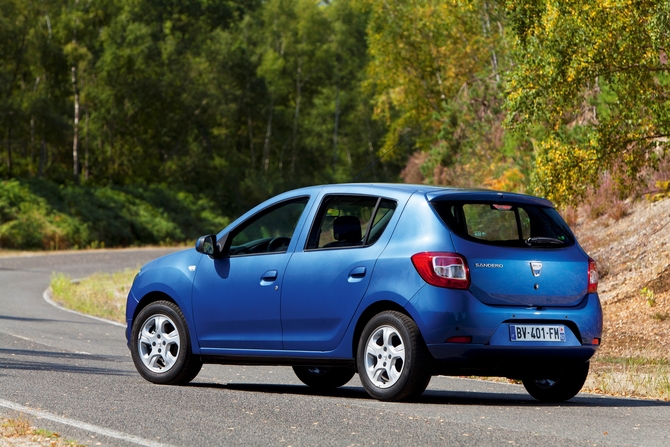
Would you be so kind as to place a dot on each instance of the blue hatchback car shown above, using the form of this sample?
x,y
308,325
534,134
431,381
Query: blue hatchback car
x,y
394,282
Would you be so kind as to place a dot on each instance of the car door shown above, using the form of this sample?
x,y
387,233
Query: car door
x,y
325,282
236,299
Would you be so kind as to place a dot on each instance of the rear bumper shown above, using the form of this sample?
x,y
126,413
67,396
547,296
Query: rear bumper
x,y
515,362
443,314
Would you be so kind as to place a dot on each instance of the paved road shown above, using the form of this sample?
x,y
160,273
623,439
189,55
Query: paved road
x,y
73,375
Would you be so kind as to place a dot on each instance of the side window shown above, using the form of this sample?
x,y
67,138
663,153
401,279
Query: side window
x,y
269,231
350,221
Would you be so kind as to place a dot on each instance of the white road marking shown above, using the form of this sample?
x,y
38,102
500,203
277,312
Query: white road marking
x,y
82,425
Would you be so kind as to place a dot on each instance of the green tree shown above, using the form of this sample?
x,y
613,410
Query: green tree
x,y
594,75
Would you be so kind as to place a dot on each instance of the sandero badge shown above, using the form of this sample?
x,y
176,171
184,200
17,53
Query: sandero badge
x,y
394,283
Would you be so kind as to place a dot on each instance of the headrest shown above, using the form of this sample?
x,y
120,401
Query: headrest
x,y
347,228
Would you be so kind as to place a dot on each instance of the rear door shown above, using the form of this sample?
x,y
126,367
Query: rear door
x,y
324,283
518,253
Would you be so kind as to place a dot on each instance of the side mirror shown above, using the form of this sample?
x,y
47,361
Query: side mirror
x,y
208,245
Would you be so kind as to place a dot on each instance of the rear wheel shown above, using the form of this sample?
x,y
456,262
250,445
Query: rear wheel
x,y
161,345
393,361
559,387
324,377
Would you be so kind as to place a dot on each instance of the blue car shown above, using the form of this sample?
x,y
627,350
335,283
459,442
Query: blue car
x,y
394,282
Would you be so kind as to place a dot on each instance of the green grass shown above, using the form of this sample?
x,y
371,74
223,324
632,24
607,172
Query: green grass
x,y
101,295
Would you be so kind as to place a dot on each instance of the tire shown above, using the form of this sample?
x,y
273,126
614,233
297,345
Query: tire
x,y
393,361
324,378
563,386
161,346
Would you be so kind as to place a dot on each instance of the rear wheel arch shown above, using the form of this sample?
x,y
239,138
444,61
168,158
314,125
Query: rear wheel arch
x,y
367,315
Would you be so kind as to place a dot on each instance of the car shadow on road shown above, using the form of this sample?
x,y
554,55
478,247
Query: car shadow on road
x,y
24,360
439,397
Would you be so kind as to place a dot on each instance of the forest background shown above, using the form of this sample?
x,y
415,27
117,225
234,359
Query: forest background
x,y
128,122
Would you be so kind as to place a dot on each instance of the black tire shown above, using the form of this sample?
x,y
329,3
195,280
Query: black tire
x,y
559,388
388,373
160,345
324,378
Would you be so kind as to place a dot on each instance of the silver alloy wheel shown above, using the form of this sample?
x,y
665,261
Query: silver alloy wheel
x,y
158,343
384,356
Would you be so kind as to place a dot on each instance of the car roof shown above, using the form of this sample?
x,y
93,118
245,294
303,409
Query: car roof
x,y
432,193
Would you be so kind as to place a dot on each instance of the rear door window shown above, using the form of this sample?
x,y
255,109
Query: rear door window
x,y
506,224
350,221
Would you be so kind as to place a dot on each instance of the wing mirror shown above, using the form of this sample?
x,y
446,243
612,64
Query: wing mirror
x,y
208,245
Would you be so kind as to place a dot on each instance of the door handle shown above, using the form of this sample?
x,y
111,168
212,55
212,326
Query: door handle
x,y
268,277
357,273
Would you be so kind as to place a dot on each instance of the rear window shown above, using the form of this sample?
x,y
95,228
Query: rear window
x,y
506,224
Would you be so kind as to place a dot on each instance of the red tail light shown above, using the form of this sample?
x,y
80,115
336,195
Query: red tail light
x,y
440,269
593,276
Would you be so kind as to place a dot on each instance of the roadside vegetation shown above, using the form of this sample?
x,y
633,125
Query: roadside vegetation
x,y
101,295
17,431
38,214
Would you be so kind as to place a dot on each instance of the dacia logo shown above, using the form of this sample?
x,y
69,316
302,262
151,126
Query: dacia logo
x,y
536,268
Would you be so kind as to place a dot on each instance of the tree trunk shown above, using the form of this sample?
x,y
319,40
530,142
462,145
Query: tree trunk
x,y
268,134
75,139
252,153
86,149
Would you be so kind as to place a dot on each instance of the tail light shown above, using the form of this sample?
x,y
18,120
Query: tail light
x,y
439,269
593,276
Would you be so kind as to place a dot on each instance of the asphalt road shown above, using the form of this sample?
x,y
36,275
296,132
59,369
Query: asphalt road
x,y
72,374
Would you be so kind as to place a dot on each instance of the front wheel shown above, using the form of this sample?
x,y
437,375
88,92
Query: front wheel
x,y
558,387
160,345
393,361
324,378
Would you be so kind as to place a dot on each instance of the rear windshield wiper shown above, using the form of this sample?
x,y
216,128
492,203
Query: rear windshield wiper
x,y
543,240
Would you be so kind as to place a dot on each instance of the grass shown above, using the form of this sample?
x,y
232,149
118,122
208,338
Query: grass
x,y
102,294
631,377
20,430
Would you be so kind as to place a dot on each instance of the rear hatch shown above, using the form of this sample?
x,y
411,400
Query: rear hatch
x,y
518,249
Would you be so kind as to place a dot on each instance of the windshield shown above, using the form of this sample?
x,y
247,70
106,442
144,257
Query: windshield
x,y
505,224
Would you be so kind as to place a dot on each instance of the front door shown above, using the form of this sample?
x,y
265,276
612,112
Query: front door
x,y
236,300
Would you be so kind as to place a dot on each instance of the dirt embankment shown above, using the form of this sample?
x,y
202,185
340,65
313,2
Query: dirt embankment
x,y
633,256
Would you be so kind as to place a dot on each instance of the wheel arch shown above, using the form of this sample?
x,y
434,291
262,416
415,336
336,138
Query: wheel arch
x,y
158,295
366,315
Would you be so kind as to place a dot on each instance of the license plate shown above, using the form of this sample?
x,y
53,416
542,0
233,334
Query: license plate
x,y
530,332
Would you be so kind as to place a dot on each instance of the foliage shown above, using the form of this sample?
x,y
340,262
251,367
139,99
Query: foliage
x,y
238,99
594,74
102,294
435,70
39,214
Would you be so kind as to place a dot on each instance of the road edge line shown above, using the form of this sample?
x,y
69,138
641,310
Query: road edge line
x,y
82,425
47,297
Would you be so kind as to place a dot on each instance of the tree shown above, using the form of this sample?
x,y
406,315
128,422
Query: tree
x,y
594,75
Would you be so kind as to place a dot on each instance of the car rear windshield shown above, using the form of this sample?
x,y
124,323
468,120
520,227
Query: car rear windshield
x,y
505,224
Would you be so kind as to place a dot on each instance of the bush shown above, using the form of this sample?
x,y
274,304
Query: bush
x,y
39,214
